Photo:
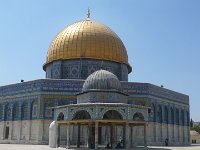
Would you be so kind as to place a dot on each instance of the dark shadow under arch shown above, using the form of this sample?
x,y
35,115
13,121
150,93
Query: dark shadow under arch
x,y
112,114
82,114
60,116
138,117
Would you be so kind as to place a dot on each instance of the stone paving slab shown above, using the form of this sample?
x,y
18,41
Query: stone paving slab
x,y
46,147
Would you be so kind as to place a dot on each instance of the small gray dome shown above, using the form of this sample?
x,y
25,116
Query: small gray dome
x,y
102,80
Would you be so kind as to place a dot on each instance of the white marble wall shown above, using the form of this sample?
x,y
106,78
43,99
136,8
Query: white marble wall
x,y
37,132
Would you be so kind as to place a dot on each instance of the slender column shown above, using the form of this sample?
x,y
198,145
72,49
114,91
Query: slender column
x,y
127,144
58,137
145,136
89,135
131,144
78,140
96,135
68,136
111,135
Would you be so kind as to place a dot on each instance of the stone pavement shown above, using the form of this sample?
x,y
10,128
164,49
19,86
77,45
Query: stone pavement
x,y
45,147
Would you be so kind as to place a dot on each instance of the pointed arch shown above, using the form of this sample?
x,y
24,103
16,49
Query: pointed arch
x,y
171,115
16,110
177,116
166,115
25,112
159,114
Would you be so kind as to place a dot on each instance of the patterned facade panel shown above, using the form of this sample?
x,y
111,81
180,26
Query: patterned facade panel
x,y
102,97
135,110
74,109
122,110
82,68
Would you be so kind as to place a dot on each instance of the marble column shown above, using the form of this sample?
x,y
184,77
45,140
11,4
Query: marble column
x,y
58,137
78,138
145,135
127,137
111,136
68,136
96,135
131,136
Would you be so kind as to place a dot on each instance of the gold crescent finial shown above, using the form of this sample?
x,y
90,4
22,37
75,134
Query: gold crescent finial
x,y
88,14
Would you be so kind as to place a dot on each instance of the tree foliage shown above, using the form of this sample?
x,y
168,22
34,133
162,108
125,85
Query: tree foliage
x,y
196,128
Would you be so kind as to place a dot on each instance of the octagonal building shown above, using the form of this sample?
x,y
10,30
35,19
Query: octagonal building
x,y
87,82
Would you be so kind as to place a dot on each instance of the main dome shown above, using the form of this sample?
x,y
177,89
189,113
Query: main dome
x,y
87,39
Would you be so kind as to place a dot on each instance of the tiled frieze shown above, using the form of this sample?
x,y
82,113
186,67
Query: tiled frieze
x,y
82,68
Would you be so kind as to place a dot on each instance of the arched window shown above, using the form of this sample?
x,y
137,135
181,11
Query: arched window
x,y
60,116
16,111
138,117
1,112
112,114
166,120
8,112
48,109
159,113
188,118
182,117
171,116
25,112
34,109
152,116
177,116
82,114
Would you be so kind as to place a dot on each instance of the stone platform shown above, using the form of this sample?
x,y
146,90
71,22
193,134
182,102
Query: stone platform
x,y
46,147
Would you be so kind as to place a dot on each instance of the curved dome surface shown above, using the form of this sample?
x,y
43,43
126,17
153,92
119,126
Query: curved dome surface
x,y
102,80
87,39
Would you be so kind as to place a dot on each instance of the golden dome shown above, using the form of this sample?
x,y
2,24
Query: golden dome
x,y
87,39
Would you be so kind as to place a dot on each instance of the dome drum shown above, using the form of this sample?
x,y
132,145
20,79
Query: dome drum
x,y
102,96
82,68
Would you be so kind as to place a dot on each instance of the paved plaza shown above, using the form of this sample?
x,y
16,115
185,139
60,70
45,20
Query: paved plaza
x,y
46,147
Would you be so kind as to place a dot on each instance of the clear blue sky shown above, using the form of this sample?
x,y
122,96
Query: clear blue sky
x,y
162,38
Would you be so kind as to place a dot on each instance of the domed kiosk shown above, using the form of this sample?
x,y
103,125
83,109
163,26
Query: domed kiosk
x,y
101,115
102,86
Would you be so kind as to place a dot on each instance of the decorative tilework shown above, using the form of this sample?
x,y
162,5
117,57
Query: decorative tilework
x,y
82,68
63,92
